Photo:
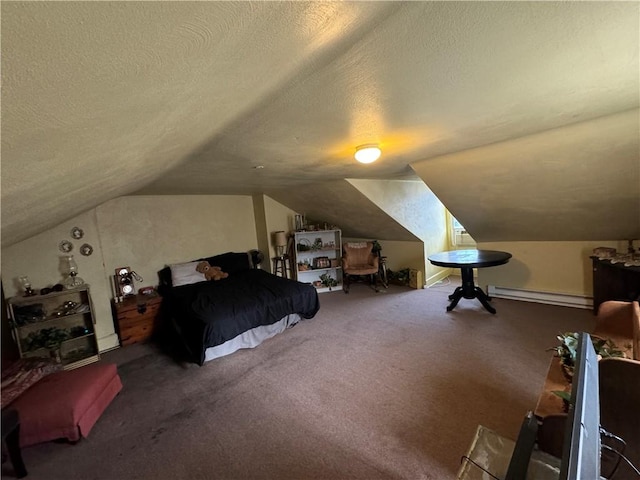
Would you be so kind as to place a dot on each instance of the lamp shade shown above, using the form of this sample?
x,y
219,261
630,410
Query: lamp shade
x,y
368,153
280,239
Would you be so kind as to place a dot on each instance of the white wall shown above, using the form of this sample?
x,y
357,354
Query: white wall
x,y
277,217
413,205
40,258
557,267
149,232
400,255
142,232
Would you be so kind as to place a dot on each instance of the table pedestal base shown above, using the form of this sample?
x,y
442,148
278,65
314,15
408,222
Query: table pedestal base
x,y
469,290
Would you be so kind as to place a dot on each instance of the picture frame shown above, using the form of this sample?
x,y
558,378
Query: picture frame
x,y
321,262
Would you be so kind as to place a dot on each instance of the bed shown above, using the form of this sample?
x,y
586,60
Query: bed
x,y
216,318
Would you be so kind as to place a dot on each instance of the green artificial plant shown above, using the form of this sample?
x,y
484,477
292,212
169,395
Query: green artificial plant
x,y
328,281
567,349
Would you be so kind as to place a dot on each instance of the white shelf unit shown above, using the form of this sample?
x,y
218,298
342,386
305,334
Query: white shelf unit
x,y
317,253
32,317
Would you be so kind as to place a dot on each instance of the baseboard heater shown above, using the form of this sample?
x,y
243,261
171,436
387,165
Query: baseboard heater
x,y
562,299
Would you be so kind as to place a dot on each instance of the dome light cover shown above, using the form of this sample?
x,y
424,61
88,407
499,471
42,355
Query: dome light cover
x,y
368,153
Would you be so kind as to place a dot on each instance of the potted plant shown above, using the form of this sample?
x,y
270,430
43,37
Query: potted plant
x,y
567,350
328,281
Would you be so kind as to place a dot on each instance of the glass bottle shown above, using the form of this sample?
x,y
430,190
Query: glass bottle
x,y
25,283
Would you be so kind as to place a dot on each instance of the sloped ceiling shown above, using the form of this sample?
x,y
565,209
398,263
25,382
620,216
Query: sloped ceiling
x,y
590,172
102,99
340,203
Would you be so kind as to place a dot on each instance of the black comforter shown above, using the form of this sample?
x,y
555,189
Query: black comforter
x,y
210,313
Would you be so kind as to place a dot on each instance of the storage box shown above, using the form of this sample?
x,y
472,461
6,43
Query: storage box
x,y
415,279
136,317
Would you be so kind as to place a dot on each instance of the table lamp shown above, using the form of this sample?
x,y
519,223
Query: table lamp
x,y
280,240
25,283
72,281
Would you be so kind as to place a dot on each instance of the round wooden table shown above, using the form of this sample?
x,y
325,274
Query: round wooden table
x,y
466,261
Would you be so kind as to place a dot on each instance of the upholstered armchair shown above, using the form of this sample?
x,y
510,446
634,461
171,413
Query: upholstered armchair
x,y
358,260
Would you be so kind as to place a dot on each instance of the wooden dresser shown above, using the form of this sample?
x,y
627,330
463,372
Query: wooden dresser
x,y
614,281
136,317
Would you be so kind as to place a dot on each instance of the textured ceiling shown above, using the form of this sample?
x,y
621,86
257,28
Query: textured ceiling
x,y
592,174
102,99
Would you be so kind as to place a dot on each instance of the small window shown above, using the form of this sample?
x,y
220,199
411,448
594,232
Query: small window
x,y
457,226
459,235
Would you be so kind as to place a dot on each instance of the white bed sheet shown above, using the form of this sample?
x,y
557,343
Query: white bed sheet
x,y
251,338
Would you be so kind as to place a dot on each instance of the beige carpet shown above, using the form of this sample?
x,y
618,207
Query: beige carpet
x,y
376,386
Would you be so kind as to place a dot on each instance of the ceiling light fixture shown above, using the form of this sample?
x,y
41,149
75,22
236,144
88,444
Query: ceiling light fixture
x,y
368,153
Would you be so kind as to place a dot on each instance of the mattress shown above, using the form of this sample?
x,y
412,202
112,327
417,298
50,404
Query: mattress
x,y
210,314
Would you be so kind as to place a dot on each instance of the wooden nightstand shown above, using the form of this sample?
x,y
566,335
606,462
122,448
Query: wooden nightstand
x,y
136,317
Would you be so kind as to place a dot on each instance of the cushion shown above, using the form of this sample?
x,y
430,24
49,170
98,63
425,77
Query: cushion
x,y
66,404
229,262
185,274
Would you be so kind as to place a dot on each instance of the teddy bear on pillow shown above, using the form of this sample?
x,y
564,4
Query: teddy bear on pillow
x,y
211,272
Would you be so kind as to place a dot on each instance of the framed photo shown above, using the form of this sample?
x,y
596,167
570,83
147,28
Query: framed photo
x,y
321,262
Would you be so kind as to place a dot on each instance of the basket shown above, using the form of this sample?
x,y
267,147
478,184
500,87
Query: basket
x,y
304,245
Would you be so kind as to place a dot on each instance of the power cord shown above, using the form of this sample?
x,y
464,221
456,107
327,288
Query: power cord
x,y
608,434
441,283
620,455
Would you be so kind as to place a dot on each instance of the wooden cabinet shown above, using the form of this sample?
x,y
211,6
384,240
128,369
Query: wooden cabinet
x,y
614,281
136,317
60,325
317,256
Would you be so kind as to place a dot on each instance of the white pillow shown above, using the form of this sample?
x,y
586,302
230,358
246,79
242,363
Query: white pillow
x,y
185,274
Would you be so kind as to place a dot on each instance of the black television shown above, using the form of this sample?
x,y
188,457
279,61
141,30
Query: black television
x,y
582,445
